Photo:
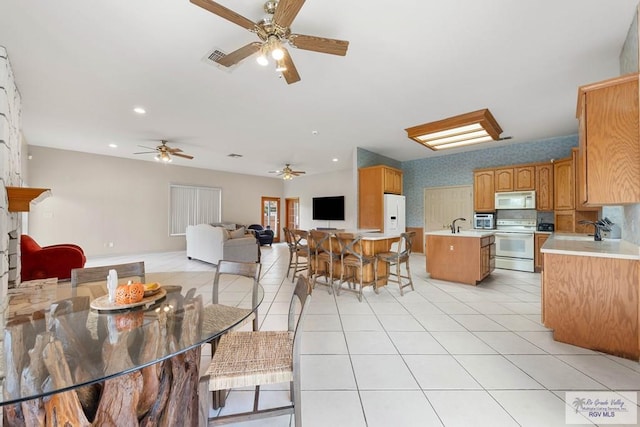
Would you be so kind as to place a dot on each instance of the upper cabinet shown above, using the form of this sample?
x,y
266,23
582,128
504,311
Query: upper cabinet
x,y
609,142
521,178
373,183
392,180
503,179
524,178
563,176
483,191
544,187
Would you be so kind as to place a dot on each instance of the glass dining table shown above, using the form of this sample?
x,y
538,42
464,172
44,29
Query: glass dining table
x,y
63,360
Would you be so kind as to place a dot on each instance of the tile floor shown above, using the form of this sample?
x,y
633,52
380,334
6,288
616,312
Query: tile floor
x,y
445,354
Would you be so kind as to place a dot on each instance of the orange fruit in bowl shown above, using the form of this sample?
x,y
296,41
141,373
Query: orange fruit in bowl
x,y
130,293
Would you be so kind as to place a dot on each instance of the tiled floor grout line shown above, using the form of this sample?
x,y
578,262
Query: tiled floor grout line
x,y
429,292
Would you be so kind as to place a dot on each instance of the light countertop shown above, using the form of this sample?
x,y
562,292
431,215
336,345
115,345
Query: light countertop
x,y
463,233
366,233
380,236
584,245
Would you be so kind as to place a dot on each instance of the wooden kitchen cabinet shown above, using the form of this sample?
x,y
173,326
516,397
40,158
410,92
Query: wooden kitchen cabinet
x,y
392,180
373,183
579,181
462,259
483,191
544,187
564,221
524,178
592,302
503,179
567,217
609,142
538,261
568,221
563,192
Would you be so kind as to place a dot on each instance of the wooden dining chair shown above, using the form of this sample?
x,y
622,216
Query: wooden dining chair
x,y
252,359
353,262
97,274
324,255
396,258
224,312
300,239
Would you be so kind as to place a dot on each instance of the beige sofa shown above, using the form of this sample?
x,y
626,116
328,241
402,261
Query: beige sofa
x,y
211,244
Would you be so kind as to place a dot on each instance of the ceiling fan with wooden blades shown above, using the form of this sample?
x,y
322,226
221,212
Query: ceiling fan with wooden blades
x,y
287,172
274,32
164,152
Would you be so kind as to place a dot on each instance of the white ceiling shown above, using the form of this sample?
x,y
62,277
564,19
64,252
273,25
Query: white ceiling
x,y
81,66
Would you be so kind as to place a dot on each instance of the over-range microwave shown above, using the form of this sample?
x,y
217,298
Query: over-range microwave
x,y
516,200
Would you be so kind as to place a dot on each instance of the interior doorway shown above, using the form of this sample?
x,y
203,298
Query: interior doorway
x,y
292,208
271,215
444,204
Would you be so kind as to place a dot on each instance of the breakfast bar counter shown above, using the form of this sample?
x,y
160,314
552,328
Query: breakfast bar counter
x,y
373,243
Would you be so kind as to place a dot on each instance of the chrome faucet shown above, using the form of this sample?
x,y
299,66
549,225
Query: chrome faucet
x,y
453,225
598,227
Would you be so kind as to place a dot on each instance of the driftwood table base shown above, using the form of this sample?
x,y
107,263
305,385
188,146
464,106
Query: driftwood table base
x,y
172,400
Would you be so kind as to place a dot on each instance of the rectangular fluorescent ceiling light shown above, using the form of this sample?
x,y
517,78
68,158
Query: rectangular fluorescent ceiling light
x,y
465,129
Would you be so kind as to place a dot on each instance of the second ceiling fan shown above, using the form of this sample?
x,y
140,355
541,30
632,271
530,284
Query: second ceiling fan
x,y
274,31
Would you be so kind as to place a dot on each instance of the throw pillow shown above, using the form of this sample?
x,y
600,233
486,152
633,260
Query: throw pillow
x,y
237,233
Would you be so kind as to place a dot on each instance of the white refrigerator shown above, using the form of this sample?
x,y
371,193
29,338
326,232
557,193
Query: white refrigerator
x,y
394,213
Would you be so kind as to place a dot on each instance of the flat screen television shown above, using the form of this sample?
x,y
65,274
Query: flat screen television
x,y
328,208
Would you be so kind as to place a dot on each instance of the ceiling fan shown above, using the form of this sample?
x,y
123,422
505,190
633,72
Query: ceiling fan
x,y
274,32
164,152
288,173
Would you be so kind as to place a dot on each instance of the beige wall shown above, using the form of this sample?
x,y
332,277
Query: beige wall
x,y
100,199
340,183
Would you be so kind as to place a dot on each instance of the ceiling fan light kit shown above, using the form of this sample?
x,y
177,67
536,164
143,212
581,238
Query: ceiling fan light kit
x,y
163,157
287,173
466,129
274,32
164,152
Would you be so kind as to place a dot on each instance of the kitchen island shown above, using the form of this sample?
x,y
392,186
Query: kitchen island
x,y
465,257
373,243
590,293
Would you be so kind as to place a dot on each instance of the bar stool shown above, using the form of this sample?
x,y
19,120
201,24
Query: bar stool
x,y
397,258
353,261
289,240
300,241
324,256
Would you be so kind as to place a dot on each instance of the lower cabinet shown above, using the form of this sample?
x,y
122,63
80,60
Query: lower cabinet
x,y
538,262
592,302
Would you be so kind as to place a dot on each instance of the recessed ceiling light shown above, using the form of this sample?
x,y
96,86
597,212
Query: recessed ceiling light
x,y
234,155
314,132
335,159
139,110
112,145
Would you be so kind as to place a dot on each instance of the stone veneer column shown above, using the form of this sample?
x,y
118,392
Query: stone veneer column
x,y
10,175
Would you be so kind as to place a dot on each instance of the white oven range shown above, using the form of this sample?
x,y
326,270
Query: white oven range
x,y
515,244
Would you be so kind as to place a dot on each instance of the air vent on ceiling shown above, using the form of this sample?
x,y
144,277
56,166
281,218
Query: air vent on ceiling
x,y
214,56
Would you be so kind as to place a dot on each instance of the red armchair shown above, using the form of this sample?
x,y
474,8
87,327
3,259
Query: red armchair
x,y
50,261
